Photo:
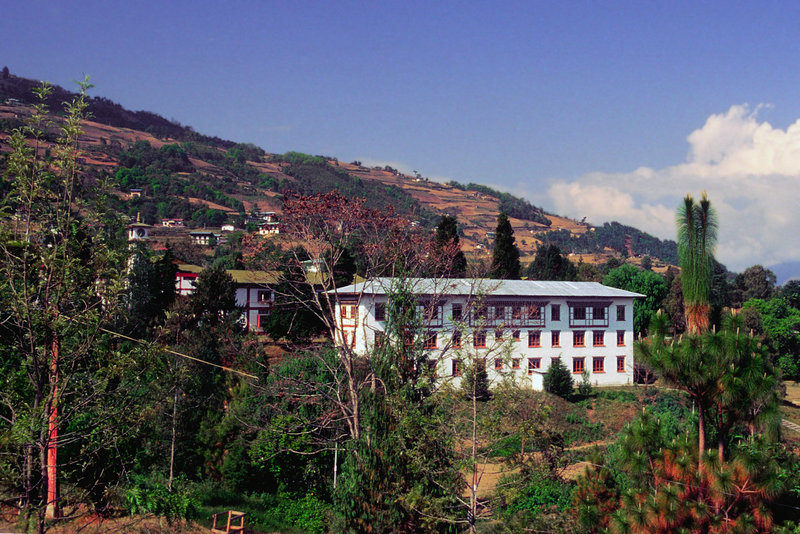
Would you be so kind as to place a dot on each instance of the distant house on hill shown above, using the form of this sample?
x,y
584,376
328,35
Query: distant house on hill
x,y
228,227
135,193
269,228
586,325
204,238
171,223
253,291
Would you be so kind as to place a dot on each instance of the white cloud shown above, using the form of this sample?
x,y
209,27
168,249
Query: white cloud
x,y
750,169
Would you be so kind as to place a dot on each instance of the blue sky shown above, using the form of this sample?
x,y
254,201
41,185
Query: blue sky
x,y
610,110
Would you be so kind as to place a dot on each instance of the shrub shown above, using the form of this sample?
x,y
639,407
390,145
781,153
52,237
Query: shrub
x,y
558,379
147,495
585,386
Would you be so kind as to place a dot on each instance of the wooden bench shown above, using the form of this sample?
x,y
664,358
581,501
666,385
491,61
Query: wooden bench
x,y
232,516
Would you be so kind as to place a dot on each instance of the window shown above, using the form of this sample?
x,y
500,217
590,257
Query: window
x,y
534,363
579,313
516,312
353,340
380,311
515,335
434,313
263,296
555,338
261,320
479,340
456,312
598,338
555,312
534,338
348,311
533,312
621,312
456,367
578,365
498,364
620,338
578,338
620,364
598,364
498,335
456,342
515,363
430,340
599,313
378,340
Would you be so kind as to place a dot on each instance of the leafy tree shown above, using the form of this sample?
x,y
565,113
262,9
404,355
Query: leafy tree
x,y
56,242
647,283
550,264
780,325
558,379
791,292
505,256
755,282
697,237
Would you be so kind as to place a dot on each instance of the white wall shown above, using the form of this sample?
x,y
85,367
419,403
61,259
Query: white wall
x,y
364,326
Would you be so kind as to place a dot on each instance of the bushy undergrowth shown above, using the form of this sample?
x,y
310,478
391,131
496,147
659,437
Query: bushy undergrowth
x,y
149,495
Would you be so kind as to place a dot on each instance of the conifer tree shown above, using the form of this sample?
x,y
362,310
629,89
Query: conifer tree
x,y
505,257
447,243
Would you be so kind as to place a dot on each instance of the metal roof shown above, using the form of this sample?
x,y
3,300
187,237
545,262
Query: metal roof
x,y
495,288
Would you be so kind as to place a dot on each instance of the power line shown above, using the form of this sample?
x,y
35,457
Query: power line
x,y
205,362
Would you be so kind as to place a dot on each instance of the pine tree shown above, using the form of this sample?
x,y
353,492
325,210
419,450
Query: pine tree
x,y
453,263
505,258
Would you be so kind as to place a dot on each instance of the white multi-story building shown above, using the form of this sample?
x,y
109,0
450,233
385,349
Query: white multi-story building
x,y
518,326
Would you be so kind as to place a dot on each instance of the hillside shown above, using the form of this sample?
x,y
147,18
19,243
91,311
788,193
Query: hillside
x,y
207,181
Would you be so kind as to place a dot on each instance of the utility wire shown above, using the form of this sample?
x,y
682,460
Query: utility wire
x,y
143,342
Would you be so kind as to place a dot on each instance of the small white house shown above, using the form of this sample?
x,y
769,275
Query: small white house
x,y
518,326
253,291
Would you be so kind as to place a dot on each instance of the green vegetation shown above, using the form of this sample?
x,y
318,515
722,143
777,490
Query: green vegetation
x,y
513,206
615,236
505,254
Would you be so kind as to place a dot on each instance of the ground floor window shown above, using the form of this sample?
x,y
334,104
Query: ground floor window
x,y
498,364
534,363
620,364
578,365
620,338
515,363
456,368
598,364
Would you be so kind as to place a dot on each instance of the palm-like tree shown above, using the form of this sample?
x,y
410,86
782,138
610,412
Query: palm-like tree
x,y
697,237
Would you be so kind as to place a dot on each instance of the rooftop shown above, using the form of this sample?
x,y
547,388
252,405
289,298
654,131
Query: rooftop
x,y
474,286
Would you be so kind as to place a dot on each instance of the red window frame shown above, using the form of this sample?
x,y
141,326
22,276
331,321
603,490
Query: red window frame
x,y
578,338
534,338
620,364
479,339
598,364
620,338
515,363
534,363
578,365
430,340
555,338
456,340
498,364
598,338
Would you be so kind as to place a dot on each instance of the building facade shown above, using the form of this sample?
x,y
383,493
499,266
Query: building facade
x,y
517,327
254,295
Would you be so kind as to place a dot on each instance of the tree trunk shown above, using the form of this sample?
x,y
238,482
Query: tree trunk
x,y
172,444
52,438
473,494
701,430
